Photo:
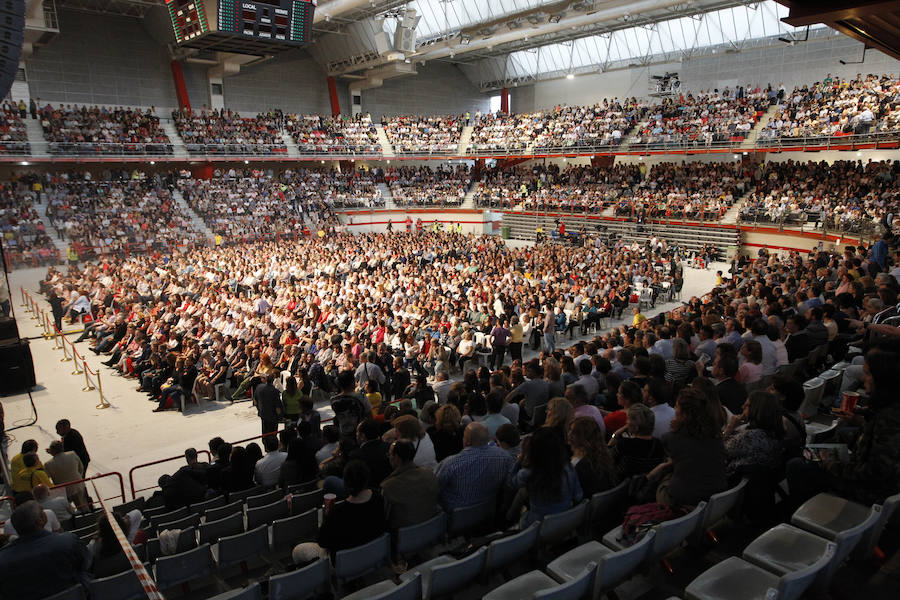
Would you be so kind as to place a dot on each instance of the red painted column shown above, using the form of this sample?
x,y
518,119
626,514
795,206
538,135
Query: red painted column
x,y
504,100
202,171
332,93
180,89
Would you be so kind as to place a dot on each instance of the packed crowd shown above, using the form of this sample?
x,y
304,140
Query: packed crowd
x,y
317,134
13,136
423,134
602,124
424,186
116,214
25,239
691,190
845,195
702,119
224,131
73,129
835,106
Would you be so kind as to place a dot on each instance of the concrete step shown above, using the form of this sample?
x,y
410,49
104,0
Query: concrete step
x,y
469,199
387,195
465,140
35,133
41,204
386,149
292,150
750,140
178,148
187,211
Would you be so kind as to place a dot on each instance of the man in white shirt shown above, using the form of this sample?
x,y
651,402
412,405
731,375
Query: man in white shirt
x,y
656,397
441,387
60,505
268,468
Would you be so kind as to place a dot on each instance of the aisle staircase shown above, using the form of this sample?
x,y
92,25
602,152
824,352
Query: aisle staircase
x,y
41,204
387,195
178,148
292,150
468,202
465,140
731,217
386,148
195,219
35,133
750,140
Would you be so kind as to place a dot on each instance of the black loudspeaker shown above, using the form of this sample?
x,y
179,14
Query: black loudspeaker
x,y
16,368
12,35
8,330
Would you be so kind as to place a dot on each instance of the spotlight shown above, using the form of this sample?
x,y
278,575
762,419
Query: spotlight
x,y
570,76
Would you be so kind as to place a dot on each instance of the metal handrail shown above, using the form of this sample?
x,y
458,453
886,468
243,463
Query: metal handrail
x,y
94,478
158,462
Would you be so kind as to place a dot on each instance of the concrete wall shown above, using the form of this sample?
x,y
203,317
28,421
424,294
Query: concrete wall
x,y
101,59
361,221
439,88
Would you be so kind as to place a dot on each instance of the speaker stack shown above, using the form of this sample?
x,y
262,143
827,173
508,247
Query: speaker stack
x,y
12,36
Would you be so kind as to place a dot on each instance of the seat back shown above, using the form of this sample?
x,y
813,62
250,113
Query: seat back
x,y
870,538
355,562
183,523
184,567
409,590
446,579
124,509
211,531
721,504
847,540
670,534
76,592
576,589
251,592
613,568
124,586
286,533
792,585
239,548
187,540
506,551
202,507
220,512
602,503
266,514
303,488
300,503
167,517
467,518
813,390
560,526
264,499
86,520
244,494
302,583
416,537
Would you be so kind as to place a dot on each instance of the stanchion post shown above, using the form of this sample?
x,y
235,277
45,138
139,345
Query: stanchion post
x,y
55,337
66,357
24,301
77,370
103,402
88,386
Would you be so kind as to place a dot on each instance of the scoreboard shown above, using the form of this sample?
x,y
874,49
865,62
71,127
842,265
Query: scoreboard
x,y
210,23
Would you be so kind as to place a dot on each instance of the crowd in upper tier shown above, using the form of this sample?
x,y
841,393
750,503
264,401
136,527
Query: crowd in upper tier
x,y
224,131
317,134
13,135
73,129
424,134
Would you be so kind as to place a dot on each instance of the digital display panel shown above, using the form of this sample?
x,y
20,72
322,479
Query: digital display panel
x,y
261,25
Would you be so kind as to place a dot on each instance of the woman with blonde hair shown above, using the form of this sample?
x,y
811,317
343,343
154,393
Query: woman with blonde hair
x,y
553,375
410,428
560,414
447,432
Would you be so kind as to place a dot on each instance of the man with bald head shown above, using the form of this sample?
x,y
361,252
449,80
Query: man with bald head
x,y
60,505
38,563
476,474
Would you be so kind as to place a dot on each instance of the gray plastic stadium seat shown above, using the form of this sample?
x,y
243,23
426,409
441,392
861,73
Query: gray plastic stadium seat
x,y
76,592
166,517
355,562
827,515
264,499
124,586
718,506
252,592
302,583
241,548
737,579
812,390
220,512
263,515
786,548
190,521
303,488
388,590
300,503
86,520
244,494
523,586
187,540
669,534
124,509
506,551
414,538
558,527
613,567
184,568
602,503
448,578
211,531
287,533
465,519
202,507
581,586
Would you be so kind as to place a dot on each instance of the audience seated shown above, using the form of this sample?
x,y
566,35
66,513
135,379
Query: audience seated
x,y
316,134
13,136
424,186
423,134
73,129
25,239
222,131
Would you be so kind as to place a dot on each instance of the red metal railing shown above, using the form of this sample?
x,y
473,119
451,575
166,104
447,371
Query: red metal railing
x,y
93,479
158,462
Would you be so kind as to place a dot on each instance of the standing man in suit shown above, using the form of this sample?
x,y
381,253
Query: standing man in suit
x,y
72,440
268,404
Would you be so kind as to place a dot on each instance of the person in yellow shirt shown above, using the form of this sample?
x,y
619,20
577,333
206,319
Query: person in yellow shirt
x,y
719,279
218,239
638,317
17,464
373,396
32,474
